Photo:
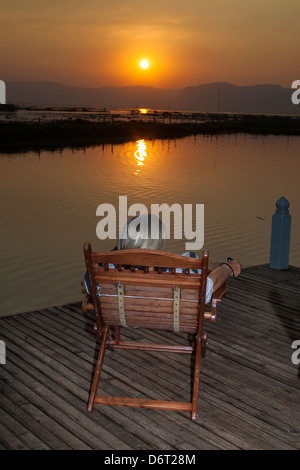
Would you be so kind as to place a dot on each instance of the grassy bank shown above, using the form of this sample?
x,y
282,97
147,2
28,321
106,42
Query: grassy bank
x,y
22,136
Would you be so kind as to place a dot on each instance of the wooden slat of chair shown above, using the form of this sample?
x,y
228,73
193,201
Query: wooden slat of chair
x,y
143,257
147,301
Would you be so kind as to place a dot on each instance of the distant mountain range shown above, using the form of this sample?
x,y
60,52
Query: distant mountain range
x,y
213,97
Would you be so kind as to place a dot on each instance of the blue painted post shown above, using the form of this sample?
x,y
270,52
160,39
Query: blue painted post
x,y
280,236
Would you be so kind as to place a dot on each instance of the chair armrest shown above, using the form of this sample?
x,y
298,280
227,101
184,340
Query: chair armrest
x,y
87,303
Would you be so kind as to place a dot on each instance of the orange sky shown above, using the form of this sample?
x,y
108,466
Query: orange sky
x,y
187,42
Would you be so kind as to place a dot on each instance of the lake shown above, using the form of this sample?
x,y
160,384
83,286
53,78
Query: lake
x,y
49,202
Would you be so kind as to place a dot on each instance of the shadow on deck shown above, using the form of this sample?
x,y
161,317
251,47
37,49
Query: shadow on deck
x,y
248,392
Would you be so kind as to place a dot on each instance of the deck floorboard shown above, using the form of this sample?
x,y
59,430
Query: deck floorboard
x,y
248,393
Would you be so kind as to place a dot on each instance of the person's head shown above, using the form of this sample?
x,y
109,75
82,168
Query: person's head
x,y
142,231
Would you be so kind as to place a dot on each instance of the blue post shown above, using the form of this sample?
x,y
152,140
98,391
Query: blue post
x,y
280,236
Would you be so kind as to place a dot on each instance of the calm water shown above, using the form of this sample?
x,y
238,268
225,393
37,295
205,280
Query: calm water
x,y
49,205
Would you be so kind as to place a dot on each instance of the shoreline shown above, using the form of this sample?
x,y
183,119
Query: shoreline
x,y
22,136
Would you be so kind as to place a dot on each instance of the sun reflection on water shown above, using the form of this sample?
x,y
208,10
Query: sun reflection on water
x,y
140,154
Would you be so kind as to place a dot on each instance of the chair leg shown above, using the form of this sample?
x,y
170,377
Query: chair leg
x,y
203,344
98,369
196,379
117,334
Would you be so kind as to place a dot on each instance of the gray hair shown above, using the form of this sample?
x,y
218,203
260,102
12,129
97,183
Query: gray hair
x,y
142,231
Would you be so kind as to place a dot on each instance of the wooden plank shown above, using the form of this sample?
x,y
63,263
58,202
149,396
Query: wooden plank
x,y
146,291
8,419
142,403
111,412
136,345
143,257
143,305
50,388
10,440
157,280
42,409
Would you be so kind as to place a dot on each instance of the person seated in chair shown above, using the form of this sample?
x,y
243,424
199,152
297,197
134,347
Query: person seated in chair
x,y
147,231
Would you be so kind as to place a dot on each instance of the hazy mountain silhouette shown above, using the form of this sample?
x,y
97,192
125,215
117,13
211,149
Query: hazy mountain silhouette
x,y
212,97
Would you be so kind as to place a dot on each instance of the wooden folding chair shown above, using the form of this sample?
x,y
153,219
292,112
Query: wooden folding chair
x,y
138,291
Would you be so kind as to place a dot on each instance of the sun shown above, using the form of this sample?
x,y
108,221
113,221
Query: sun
x,y
144,64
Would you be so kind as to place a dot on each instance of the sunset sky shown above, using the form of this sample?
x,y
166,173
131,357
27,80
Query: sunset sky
x,y
94,43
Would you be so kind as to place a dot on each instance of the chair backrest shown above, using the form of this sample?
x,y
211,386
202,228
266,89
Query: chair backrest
x,y
127,291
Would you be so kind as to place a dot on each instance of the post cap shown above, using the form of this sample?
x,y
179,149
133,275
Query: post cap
x,y
282,205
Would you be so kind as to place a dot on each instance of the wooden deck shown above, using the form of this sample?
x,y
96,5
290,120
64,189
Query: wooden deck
x,y
249,388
